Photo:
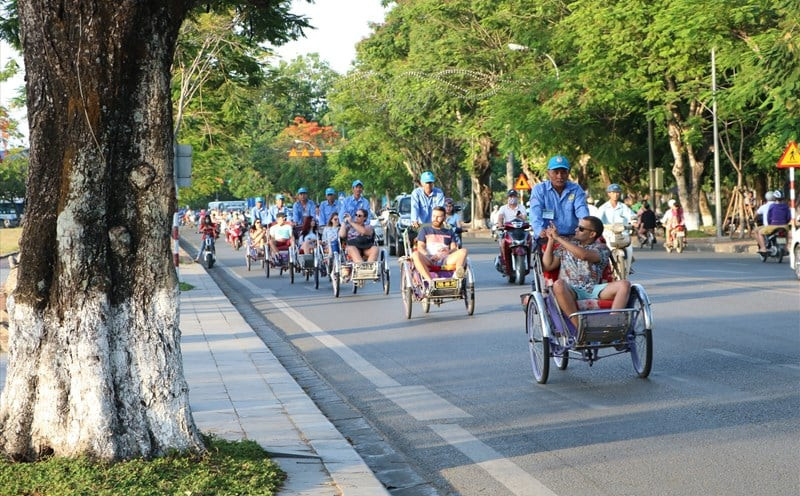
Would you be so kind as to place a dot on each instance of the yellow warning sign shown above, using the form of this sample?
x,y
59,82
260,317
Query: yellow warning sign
x,y
317,152
293,152
522,183
790,157
305,153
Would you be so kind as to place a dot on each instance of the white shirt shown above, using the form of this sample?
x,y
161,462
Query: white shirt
x,y
763,210
508,213
610,214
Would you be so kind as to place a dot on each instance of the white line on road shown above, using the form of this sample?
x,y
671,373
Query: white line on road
x,y
501,469
738,356
422,403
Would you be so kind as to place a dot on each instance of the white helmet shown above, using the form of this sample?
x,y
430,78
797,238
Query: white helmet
x,y
777,195
671,203
769,196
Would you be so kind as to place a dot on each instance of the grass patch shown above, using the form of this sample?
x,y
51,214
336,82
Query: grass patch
x,y
697,234
227,467
185,286
9,239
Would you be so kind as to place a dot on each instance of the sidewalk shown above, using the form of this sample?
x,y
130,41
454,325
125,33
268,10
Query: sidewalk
x,y
239,390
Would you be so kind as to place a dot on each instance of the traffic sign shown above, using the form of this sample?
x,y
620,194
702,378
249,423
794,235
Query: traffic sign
x,y
790,157
522,183
293,152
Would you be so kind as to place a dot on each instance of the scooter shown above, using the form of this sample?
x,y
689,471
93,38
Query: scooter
x,y
679,241
235,236
208,253
515,251
618,238
776,245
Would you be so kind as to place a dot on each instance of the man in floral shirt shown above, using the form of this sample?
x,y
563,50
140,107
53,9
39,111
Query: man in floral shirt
x,y
582,262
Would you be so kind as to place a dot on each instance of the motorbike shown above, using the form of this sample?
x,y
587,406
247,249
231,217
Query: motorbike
x,y
776,245
648,239
208,253
618,238
235,235
679,241
514,260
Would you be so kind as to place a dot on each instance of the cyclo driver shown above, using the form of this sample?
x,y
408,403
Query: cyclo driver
x,y
436,247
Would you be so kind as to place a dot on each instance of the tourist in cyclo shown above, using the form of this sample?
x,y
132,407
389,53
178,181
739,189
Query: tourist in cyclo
x,y
437,248
280,237
330,234
307,239
359,236
581,261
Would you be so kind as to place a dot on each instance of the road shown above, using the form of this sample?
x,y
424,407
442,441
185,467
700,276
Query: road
x,y
455,397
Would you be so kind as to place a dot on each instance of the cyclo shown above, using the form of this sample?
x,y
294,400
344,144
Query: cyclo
x,y
345,269
283,256
445,285
601,332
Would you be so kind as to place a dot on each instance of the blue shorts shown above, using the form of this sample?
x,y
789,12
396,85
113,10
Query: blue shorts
x,y
582,294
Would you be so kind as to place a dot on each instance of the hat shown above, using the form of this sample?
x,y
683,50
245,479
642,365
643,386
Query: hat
x,y
302,190
512,192
358,182
330,191
449,201
279,196
259,199
426,177
777,194
613,188
671,202
557,162
280,214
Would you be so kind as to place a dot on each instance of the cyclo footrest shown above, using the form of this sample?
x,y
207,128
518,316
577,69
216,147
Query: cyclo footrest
x,y
603,326
446,287
365,271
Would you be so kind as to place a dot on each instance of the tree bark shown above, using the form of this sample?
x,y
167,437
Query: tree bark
x,y
481,172
95,365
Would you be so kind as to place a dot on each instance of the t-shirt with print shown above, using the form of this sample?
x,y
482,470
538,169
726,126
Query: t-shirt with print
x,y
437,242
582,273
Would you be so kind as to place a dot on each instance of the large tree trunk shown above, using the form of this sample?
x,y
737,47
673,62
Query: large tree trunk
x,y
481,174
95,365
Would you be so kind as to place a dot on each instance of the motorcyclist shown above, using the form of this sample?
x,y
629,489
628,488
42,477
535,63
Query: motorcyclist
x,y
558,200
613,212
778,215
424,198
207,228
647,221
761,213
508,212
672,220
453,219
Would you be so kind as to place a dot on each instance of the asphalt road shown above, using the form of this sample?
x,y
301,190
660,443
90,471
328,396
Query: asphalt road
x,y
454,395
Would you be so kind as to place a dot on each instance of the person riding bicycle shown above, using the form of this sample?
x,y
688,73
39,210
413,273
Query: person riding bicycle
x,y
206,228
356,201
672,220
557,200
280,237
581,263
436,247
359,236
424,198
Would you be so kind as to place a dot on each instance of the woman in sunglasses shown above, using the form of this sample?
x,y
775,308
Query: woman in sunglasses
x,y
582,262
360,237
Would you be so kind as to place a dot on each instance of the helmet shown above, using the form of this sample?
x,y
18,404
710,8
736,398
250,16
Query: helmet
x,y
777,194
671,202
426,177
613,188
769,196
449,201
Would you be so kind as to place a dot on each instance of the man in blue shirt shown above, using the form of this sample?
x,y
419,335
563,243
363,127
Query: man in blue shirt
x,y
557,200
259,212
424,198
328,207
354,201
303,207
274,210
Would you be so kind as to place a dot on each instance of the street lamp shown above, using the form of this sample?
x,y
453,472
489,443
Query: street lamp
x,y
522,48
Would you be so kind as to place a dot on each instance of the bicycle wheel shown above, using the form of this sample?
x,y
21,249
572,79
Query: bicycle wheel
x,y
426,305
640,338
469,291
538,343
406,291
561,361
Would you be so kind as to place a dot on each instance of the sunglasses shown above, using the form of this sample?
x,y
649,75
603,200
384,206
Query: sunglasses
x,y
581,229
359,215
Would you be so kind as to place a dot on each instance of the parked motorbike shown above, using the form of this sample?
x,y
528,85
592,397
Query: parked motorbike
x,y
776,245
679,241
514,260
618,239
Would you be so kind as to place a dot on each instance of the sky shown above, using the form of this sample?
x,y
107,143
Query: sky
x,y
340,25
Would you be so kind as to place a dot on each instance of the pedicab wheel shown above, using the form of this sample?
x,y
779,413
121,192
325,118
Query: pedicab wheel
x,y
763,256
561,361
519,273
797,261
247,259
291,272
469,298
355,287
266,269
538,343
407,292
642,343
335,283
426,305
384,273
316,276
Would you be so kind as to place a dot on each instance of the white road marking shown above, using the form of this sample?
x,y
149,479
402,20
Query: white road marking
x,y
792,366
738,356
422,403
501,469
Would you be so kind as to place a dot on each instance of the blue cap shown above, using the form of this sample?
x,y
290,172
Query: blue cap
x,y
302,190
613,188
330,191
259,199
558,162
279,196
357,182
426,177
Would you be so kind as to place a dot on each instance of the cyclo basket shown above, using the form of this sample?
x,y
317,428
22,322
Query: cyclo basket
x,y
603,326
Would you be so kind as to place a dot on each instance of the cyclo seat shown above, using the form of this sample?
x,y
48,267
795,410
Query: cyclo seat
x,y
550,276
